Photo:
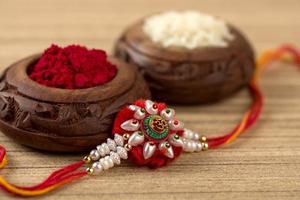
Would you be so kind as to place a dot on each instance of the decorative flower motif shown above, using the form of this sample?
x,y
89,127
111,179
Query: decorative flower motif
x,y
151,132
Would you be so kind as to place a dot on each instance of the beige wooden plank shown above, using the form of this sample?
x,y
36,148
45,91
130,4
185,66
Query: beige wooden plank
x,y
263,163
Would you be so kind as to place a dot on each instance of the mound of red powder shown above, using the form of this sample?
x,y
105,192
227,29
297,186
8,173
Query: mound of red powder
x,y
72,67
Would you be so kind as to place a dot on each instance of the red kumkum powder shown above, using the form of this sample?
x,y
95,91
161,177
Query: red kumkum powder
x,y
72,67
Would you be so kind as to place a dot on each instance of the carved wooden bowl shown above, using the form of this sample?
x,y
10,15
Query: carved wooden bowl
x,y
64,120
180,75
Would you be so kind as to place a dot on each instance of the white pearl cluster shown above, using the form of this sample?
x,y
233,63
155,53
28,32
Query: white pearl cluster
x,y
191,141
108,154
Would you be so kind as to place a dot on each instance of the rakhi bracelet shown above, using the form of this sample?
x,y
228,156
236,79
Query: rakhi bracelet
x,y
147,133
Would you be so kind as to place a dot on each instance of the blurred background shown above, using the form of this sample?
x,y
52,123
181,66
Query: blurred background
x,y
30,26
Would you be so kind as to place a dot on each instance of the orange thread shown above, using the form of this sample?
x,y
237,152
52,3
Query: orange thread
x,y
283,53
69,173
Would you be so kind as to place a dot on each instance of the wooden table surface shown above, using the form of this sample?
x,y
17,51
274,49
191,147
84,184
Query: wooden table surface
x,y
263,163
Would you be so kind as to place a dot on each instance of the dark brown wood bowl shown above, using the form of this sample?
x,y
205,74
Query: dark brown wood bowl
x,y
183,76
64,120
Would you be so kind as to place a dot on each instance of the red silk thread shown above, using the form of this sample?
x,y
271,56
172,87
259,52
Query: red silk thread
x,y
72,172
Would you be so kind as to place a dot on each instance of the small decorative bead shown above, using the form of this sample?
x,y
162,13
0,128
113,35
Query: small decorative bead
x,y
106,148
111,144
203,139
127,147
97,167
89,171
204,146
119,140
167,145
94,154
122,152
126,136
87,159
115,157
101,150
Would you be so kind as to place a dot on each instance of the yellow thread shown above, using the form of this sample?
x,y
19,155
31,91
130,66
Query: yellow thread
x,y
240,129
23,192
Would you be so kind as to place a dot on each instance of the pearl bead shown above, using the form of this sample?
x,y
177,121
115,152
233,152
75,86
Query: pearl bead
x,y
168,114
196,136
94,154
97,167
199,146
106,148
150,108
122,152
189,146
134,107
115,157
101,160
188,134
105,164
194,146
110,161
111,144
139,114
175,125
119,140
101,150
136,138
130,125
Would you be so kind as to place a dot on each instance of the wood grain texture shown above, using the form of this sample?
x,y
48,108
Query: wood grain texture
x,y
264,163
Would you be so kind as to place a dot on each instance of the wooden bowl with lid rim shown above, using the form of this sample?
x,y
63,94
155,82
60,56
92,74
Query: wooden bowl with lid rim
x,y
188,76
64,120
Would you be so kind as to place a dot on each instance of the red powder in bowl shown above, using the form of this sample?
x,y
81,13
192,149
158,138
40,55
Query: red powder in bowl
x,y
72,67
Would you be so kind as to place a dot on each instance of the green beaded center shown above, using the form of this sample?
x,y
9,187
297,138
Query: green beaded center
x,y
156,127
